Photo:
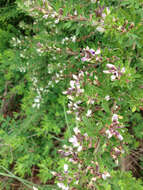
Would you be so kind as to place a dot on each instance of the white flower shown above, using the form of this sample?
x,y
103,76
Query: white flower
x,y
76,130
79,166
109,134
100,29
106,72
56,21
78,118
63,41
98,51
53,173
103,15
85,135
72,83
62,186
66,38
65,146
74,141
105,175
113,77
75,105
70,97
66,167
34,188
75,12
73,38
117,162
76,183
37,100
79,148
123,70
108,10
69,112
120,137
64,92
107,97
88,114
93,179
45,16
75,77
111,66
115,118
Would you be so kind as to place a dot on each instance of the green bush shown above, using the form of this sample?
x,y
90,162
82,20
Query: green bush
x,y
71,92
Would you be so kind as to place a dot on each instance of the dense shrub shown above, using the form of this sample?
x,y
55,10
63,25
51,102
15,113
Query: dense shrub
x,y
71,93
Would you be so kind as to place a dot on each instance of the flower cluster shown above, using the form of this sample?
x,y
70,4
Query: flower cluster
x,y
71,176
116,152
113,128
66,39
116,72
89,53
75,93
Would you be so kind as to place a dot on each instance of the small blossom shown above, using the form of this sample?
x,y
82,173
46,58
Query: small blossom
x,y
103,15
85,135
106,72
108,10
70,97
56,21
76,183
85,59
72,83
74,141
62,186
75,12
79,148
93,179
100,29
108,132
92,51
78,118
75,77
120,137
123,70
34,188
107,97
73,38
45,16
65,146
111,66
105,175
115,118
113,77
69,112
65,167
88,114
76,130
98,51
53,173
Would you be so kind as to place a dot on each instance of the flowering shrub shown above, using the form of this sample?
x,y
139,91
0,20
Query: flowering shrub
x,y
75,79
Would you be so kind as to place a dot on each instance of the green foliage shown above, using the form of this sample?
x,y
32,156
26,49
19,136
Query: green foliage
x,y
71,92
